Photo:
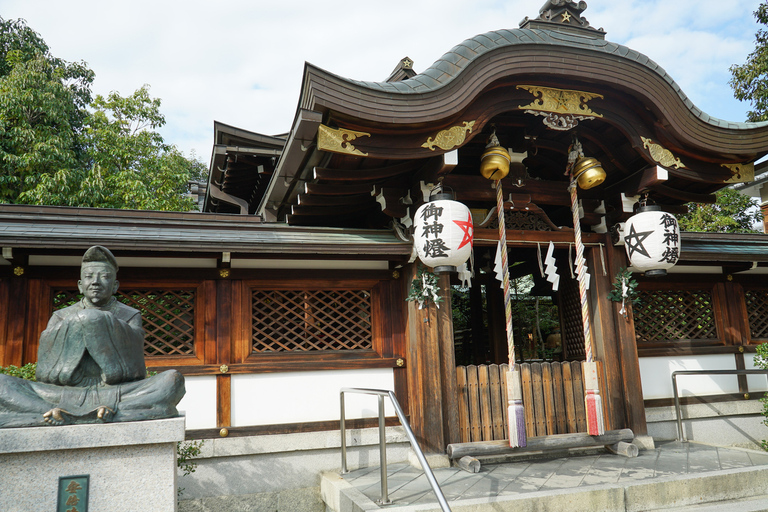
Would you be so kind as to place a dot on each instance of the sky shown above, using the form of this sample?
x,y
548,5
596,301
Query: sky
x,y
241,62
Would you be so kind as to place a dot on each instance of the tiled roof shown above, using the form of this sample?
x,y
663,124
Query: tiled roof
x,y
449,66
79,228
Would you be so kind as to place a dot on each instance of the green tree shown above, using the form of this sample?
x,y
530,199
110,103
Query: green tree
x,y
130,165
750,80
60,147
731,213
42,110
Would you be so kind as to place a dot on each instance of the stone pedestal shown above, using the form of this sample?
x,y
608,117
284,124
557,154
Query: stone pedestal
x,y
131,466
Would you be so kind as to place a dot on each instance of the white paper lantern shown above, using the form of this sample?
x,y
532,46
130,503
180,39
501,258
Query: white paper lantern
x,y
443,233
652,241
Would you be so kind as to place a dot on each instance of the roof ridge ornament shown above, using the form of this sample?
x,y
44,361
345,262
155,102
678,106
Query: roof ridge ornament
x,y
403,70
563,15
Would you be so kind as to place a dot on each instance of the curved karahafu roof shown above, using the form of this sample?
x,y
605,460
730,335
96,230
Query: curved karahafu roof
x,y
537,86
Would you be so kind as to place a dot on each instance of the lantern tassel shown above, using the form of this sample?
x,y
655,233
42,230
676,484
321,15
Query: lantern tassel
x,y
593,402
515,411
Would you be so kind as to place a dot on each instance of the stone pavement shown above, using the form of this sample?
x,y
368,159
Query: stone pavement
x,y
693,476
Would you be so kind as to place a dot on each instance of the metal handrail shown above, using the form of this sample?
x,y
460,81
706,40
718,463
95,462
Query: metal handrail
x,y
381,393
680,434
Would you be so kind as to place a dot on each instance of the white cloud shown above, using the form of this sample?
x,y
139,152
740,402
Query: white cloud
x,y
241,62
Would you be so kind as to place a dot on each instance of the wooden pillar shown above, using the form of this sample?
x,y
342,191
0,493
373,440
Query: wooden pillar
x,y
224,300
479,348
448,363
16,311
615,344
497,322
425,374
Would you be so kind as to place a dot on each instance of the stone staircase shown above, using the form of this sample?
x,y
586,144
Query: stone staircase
x,y
675,476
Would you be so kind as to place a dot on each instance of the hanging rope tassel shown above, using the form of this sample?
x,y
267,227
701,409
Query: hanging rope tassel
x,y
515,411
592,400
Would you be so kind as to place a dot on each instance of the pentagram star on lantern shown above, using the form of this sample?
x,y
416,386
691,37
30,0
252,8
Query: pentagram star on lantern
x,y
634,241
468,229
566,17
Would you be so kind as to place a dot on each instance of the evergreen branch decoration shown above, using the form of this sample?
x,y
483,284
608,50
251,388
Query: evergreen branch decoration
x,y
624,289
424,288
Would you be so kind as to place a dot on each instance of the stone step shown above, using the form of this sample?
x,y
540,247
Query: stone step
x,y
754,504
738,489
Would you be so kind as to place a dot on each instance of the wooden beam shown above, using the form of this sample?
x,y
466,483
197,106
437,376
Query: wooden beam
x,y
681,195
555,442
477,188
316,200
358,175
490,237
314,211
646,179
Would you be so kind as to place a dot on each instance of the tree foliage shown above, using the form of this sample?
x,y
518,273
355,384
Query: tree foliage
x,y
731,213
58,146
750,80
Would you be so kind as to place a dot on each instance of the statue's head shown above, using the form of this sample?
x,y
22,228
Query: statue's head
x,y
98,275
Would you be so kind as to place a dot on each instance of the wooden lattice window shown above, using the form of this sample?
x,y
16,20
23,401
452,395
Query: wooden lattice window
x,y
310,320
572,326
757,313
674,315
168,315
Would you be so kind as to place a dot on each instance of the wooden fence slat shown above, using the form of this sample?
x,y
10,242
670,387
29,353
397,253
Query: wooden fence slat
x,y
461,386
527,385
474,404
486,421
578,396
503,369
569,406
539,408
549,398
561,426
497,411
553,400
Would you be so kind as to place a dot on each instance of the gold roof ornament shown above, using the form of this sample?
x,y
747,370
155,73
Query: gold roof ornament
x,y
450,138
661,155
339,140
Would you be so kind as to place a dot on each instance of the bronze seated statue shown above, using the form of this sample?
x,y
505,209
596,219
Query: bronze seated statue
x,y
90,362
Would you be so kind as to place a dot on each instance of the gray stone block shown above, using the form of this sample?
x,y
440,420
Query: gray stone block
x,y
33,459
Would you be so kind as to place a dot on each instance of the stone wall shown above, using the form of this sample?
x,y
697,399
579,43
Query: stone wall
x,y
279,473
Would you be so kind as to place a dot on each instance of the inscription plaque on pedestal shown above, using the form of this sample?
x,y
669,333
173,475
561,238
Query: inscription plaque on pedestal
x,y
73,494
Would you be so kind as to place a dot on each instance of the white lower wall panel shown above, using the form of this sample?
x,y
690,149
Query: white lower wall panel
x,y
199,402
297,397
656,375
755,383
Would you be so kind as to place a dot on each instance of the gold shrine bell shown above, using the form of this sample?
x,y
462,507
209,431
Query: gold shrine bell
x,y
494,164
588,172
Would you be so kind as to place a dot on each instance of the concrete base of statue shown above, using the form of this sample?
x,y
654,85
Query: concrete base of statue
x,y
130,466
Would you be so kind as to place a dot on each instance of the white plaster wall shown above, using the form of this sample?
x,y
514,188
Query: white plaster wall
x,y
754,382
296,397
199,402
656,375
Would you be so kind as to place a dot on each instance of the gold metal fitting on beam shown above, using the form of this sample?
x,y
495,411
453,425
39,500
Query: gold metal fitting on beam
x,y
224,432
223,368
